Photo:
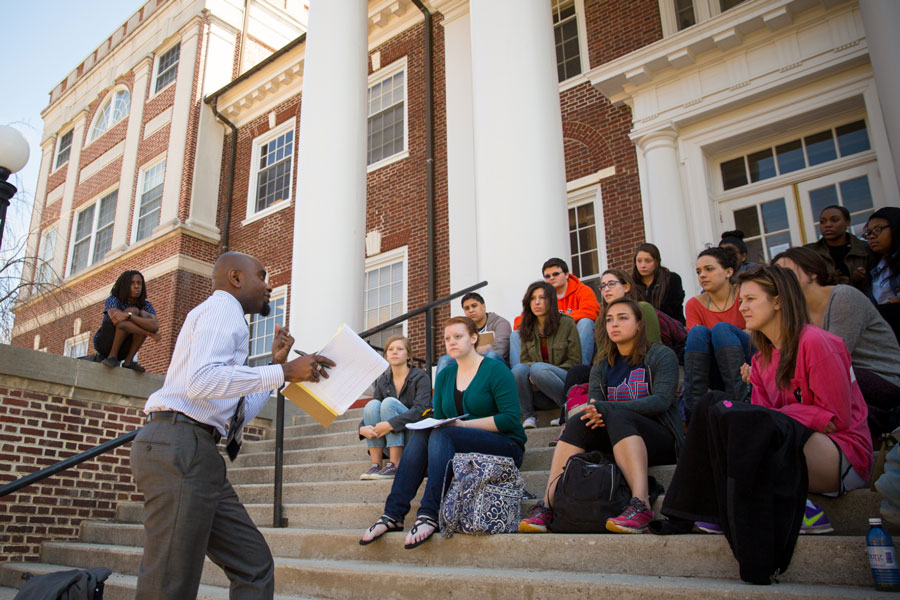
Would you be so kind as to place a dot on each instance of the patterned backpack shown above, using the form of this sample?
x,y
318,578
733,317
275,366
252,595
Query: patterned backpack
x,y
485,496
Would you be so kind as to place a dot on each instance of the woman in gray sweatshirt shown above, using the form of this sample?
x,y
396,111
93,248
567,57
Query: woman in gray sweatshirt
x,y
846,312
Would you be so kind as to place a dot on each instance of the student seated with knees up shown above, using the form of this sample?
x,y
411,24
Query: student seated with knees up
x,y
550,347
716,344
734,240
883,234
387,413
805,373
632,414
128,320
574,299
486,323
656,284
845,311
849,254
483,389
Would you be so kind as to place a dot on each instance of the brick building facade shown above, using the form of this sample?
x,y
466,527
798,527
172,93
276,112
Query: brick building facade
x,y
678,121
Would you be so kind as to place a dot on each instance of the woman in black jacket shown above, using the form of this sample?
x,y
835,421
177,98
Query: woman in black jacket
x,y
656,284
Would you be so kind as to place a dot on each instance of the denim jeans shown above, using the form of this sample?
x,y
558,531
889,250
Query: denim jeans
x,y
547,378
515,348
428,453
377,411
712,361
585,329
446,360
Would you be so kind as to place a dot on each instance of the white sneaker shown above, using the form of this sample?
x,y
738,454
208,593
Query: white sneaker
x,y
529,423
556,421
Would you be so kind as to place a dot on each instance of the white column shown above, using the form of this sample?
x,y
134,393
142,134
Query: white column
x,y
668,225
880,19
65,209
181,113
48,154
124,200
460,148
520,178
329,220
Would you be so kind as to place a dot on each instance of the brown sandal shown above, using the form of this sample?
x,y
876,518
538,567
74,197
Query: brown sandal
x,y
389,522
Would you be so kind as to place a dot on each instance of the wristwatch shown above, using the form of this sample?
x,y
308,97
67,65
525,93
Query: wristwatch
x,y
128,318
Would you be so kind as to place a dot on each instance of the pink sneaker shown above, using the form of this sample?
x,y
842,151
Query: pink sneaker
x,y
634,519
538,520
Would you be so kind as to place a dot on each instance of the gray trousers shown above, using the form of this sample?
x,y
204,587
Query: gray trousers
x,y
191,510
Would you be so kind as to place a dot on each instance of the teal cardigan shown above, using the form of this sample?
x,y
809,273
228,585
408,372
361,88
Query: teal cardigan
x,y
492,393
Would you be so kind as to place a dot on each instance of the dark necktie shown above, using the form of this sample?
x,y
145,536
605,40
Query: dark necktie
x,y
235,431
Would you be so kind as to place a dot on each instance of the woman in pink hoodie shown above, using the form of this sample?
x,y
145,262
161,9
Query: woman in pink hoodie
x,y
805,373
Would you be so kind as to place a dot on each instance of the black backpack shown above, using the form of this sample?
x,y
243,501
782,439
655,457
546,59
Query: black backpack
x,y
590,490
77,584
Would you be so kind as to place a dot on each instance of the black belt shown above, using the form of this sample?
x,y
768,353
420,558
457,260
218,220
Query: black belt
x,y
178,416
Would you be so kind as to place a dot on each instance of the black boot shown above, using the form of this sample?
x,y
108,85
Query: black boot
x,y
696,379
729,360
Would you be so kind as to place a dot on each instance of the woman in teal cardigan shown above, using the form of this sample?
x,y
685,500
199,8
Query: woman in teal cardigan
x,y
483,389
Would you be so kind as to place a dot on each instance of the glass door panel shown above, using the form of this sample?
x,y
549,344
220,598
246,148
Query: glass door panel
x,y
855,189
769,221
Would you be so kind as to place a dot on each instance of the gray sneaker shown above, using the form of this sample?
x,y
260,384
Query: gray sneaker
x,y
388,472
529,423
370,474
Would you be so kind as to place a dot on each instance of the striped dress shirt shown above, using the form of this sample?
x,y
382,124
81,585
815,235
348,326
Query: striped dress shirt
x,y
207,376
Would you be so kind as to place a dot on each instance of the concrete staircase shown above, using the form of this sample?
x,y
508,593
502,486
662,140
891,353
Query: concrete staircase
x,y
327,507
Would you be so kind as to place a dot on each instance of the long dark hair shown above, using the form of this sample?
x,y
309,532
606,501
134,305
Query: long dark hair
x,y
891,214
660,277
641,345
810,262
781,283
622,277
121,287
529,319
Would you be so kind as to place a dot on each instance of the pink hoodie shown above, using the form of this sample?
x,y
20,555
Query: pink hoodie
x,y
823,389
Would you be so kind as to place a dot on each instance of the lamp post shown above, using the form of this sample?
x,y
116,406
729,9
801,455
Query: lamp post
x,y
13,156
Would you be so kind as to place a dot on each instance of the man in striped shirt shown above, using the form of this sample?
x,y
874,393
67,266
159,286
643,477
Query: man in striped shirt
x,y
190,508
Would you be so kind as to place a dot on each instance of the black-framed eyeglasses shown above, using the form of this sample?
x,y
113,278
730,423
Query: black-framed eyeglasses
x,y
610,284
554,274
874,232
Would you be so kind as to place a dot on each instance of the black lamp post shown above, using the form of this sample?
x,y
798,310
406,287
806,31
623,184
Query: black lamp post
x,y
13,156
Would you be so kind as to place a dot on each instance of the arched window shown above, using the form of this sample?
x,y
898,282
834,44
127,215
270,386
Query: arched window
x,y
114,109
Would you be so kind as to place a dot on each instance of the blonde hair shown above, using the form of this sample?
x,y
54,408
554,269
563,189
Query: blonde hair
x,y
395,338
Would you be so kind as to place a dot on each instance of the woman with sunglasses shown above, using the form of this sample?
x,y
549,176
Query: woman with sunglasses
x,y
843,311
883,234
550,347
632,415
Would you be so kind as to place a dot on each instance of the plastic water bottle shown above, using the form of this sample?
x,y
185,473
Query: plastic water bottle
x,y
882,558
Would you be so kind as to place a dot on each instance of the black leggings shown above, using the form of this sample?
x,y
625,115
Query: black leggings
x,y
882,397
621,423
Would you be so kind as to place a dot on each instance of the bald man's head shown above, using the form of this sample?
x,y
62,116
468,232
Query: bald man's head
x,y
244,277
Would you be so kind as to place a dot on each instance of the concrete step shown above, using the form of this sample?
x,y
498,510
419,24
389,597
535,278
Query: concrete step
x,y
340,578
833,560
117,586
316,429
354,414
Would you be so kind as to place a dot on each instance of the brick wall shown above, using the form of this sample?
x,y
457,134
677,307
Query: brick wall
x,y
44,418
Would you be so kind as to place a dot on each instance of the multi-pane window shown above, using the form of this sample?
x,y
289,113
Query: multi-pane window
x,y
387,117
113,110
854,194
583,241
150,200
275,163
167,67
93,232
62,151
45,257
77,346
384,299
766,229
794,155
565,31
262,331
684,13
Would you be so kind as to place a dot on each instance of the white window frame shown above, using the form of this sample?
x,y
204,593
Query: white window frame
x,y
56,163
252,214
382,260
582,49
110,97
135,213
703,11
154,92
95,201
44,268
277,293
72,342
378,76
591,195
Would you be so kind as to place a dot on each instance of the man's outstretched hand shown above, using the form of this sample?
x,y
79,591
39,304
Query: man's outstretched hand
x,y
309,367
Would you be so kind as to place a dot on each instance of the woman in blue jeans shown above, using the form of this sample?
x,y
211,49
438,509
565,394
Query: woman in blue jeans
x,y
550,347
402,394
483,389
717,345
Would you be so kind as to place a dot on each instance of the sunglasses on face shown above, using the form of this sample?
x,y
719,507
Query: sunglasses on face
x,y
551,275
874,232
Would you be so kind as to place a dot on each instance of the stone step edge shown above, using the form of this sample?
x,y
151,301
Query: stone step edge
x,y
664,584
